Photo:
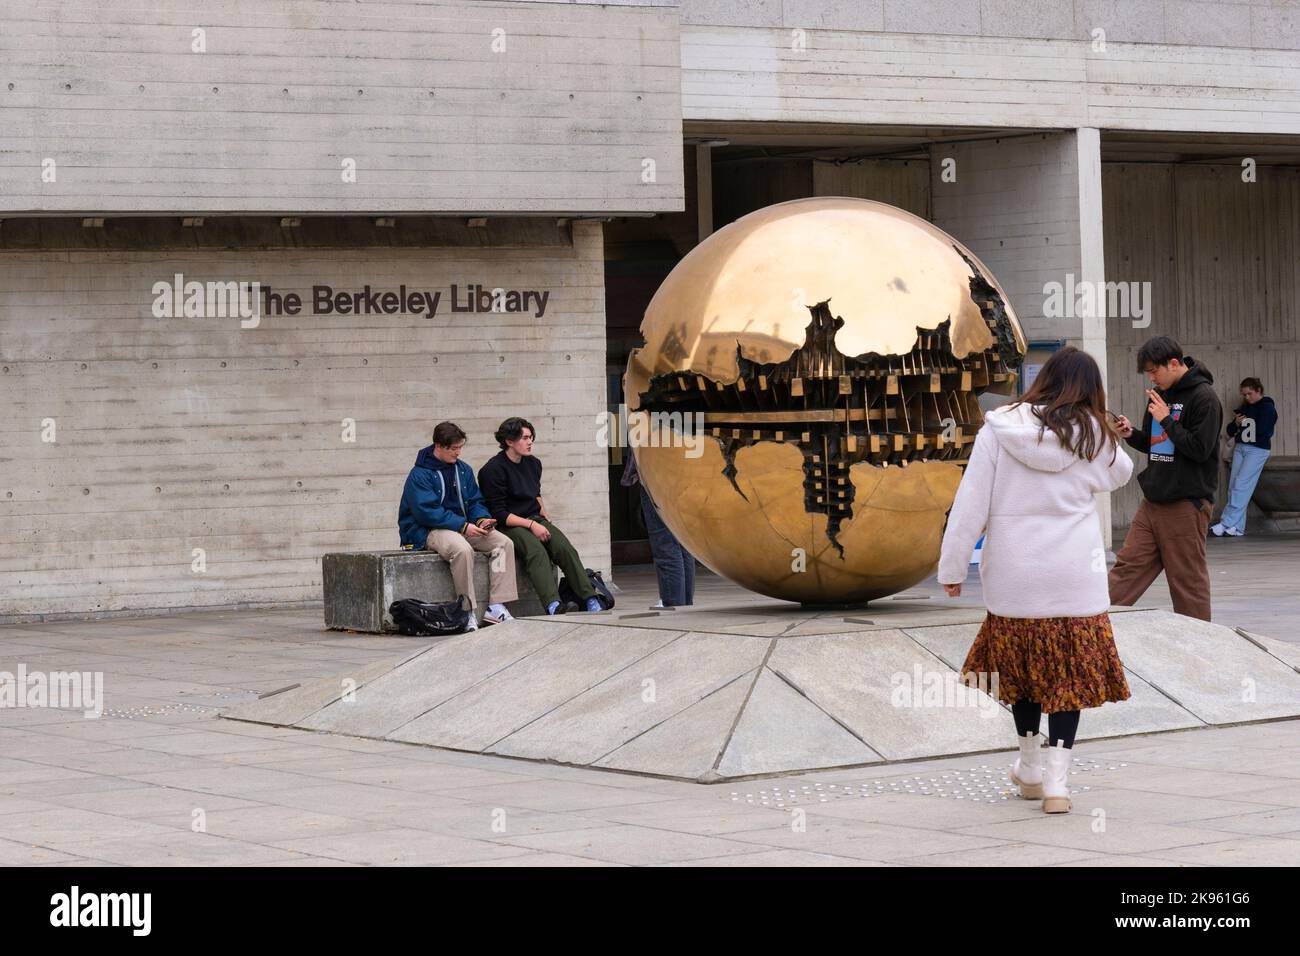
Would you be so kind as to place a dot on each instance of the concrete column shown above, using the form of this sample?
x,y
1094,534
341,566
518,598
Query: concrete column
x,y
1091,335
704,192
1030,208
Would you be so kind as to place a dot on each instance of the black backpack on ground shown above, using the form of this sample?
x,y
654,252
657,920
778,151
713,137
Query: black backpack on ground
x,y
422,619
602,590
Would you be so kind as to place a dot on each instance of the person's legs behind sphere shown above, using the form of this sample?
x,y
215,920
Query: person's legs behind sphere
x,y
672,561
688,578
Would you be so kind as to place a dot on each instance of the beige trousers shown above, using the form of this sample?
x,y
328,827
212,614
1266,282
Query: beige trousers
x,y
459,550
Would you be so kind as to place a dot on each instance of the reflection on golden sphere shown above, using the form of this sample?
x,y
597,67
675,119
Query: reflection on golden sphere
x,y
832,350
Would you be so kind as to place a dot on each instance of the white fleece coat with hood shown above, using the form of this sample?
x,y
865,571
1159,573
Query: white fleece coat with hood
x,y
1043,554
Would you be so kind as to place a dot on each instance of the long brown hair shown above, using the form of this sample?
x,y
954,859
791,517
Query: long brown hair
x,y
1069,387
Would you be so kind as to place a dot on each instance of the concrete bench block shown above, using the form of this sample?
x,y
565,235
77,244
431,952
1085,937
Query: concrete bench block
x,y
359,586
1278,491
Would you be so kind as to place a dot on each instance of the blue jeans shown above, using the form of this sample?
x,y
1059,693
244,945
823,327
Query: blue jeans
x,y
1247,463
674,565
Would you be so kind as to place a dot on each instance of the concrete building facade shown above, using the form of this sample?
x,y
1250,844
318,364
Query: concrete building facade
x,y
159,456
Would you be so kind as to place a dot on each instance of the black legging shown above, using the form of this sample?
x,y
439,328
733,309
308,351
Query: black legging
x,y
1061,726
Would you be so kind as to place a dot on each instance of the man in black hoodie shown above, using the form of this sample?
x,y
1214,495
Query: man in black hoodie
x,y
1180,436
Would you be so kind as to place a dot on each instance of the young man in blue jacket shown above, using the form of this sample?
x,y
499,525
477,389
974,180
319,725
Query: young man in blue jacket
x,y
442,510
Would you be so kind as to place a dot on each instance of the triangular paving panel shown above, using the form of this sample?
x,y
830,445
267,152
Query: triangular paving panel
x,y
1284,651
290,708
875,683
780,730
637,698
447,669
686,744
715,695
532,687
1209,669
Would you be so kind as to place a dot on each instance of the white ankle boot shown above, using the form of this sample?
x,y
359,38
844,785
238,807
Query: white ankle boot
x,y
1027,771
1056,780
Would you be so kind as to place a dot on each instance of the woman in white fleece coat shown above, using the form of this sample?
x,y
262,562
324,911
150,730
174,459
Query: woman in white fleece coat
x,y
1029,489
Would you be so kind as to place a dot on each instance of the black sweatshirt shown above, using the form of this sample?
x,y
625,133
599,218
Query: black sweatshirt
x,y
511,489
1183,449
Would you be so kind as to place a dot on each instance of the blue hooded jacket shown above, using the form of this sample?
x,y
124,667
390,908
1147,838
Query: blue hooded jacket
x,y
438,495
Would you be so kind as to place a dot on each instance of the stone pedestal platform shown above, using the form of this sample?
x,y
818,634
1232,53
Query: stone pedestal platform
x,y
763,688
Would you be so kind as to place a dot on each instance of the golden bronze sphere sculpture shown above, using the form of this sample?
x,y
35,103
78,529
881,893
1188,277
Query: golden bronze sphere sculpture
x,y
832,350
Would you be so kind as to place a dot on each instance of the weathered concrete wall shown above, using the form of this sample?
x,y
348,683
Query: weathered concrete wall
x,y
1031,208
1223,260
441,105
1015,63
172,434
1015,202
1265,24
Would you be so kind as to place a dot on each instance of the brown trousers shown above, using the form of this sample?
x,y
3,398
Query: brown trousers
x,y
1170,537
459,552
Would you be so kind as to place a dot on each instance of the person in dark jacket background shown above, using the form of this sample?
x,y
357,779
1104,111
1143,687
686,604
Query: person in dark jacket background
x,y
1180,436
1252,427
512,486
442,510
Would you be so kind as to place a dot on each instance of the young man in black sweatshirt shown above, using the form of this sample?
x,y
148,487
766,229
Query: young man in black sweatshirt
x,y
1180,436
512,488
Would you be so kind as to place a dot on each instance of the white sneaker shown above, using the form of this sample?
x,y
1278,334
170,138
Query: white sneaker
x,y
473,623
1234,533
1027,771
1056,781
1217,530
657,606
497,617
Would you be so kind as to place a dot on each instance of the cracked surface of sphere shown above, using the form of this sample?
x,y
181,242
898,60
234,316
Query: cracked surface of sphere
x,y
832,351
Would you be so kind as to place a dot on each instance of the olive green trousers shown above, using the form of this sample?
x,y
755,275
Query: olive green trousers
x,y
538,558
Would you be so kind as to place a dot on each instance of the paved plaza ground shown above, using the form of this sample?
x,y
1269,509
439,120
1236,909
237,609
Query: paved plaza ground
x,y
159,779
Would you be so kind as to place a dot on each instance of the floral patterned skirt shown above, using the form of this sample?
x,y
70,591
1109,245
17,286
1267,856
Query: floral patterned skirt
x,y
1062,663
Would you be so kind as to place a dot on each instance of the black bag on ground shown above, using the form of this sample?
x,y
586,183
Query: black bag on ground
x,y
422,619
603,595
